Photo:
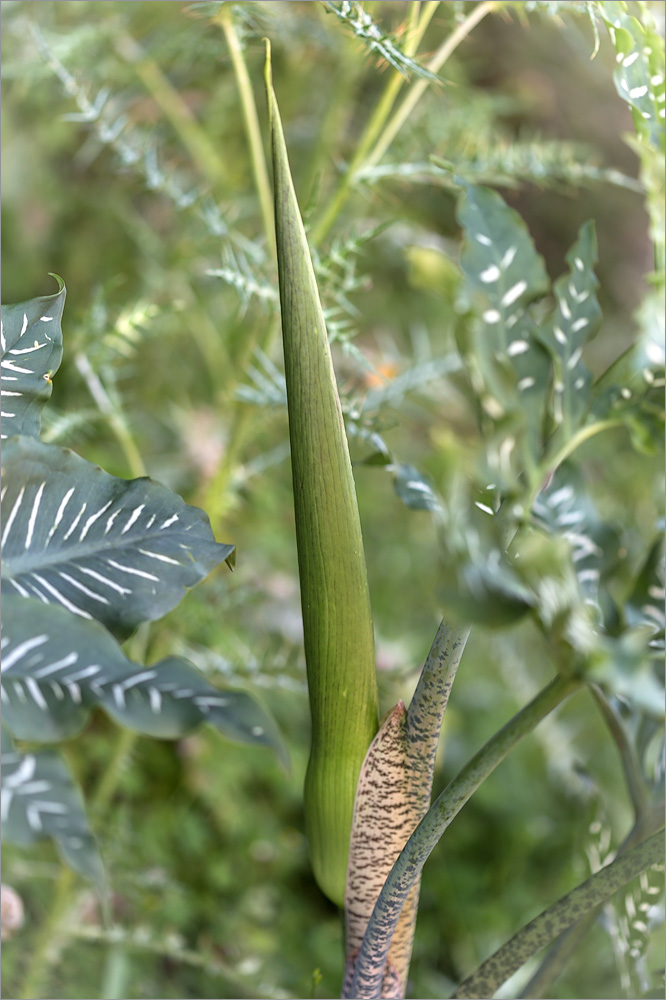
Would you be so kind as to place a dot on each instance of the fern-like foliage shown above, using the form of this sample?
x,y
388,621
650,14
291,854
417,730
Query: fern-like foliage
x,y
378,41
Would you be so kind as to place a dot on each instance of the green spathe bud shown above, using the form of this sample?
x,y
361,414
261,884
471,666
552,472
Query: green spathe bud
x,y
337,620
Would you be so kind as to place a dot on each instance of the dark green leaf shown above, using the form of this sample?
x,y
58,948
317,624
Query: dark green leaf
x,y
41,799
576,318
31,354
645,604
121,551
57,667
564,509
639,72
632,389
414,489
503,275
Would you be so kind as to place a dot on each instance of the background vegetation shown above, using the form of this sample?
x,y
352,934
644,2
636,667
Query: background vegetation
x,y
126,170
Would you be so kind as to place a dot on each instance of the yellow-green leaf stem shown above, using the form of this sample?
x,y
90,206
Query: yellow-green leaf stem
x,y
337,622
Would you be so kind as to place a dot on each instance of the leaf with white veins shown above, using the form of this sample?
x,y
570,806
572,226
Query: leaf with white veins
x,y
31,345
116,550
57,667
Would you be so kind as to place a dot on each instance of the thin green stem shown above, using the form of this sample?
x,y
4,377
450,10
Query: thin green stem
x,y
217,499
543,929
644,825
259,170
115,417
416,26
579,438
130,940
419,87
193,137
406,871
553,462
113,770
50,938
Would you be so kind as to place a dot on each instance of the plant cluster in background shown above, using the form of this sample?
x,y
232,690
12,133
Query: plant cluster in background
x,y
463,342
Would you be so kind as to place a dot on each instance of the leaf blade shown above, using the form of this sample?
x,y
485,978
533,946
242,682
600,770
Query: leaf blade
x,y
115,550
31,349
58,667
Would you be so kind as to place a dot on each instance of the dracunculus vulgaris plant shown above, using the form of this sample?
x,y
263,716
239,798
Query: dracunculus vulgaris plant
x,y
368,785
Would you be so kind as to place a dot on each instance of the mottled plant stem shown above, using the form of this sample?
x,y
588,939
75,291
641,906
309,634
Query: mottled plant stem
x,y
407,869
557,918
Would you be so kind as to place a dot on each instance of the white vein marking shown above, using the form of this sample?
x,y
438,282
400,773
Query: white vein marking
x,y
131,570
157,555
14,511
33,515
60,513
37,696
210,699
575,358
638,91
490,274
491,316
155,699
508,257
17,585
564,308
91,520
104,579
514,293
484,240
136,513
74,523
52,668
526,383
25,324
60,597
84,673
169,521
579,324
74,692
84,590
11,366
560,336
19,692
28,350
109,523
22,650
517,347
484,507
630,59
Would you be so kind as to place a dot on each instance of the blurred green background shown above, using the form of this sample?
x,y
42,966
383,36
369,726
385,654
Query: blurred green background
x,y
204,840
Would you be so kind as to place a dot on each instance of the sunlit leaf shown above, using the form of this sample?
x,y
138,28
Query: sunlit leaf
x,y
40,799
31,354
120,551
57,667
